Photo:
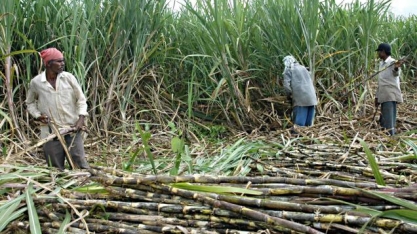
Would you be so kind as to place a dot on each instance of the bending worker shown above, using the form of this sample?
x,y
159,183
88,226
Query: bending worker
x,y
300,89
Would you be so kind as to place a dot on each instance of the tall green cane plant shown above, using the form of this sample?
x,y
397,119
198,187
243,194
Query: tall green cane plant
x,y
224,33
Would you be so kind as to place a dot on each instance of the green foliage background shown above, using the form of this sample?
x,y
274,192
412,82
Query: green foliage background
x,y
216,60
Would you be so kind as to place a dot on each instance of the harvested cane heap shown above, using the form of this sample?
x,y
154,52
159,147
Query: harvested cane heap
x,y
302,197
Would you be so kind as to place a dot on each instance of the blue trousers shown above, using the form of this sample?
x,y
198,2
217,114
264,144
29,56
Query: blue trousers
x,y
388,116
303,115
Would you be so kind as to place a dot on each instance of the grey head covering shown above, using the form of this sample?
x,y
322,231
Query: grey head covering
x,y
289,61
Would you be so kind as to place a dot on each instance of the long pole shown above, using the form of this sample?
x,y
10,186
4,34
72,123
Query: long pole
x,y
375,74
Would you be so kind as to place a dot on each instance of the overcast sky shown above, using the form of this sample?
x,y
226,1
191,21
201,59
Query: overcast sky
x,y
399,7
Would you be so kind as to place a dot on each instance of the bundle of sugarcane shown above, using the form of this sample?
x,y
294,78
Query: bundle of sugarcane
x,y
112,201
394,173
348,162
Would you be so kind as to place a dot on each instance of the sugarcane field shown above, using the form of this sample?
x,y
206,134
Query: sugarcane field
x,y
208,117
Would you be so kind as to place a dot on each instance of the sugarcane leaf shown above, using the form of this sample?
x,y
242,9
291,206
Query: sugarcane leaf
x,y
177,145
260,168
17,53
6,117
359,208
12,217
176,168
13,176
34,224
172,126
413,146
7,209
187,158
64,186
4,191
145,136
66,221
128,166
372,162
22,168
404,215
403,158
91,189
393,199
215,189
5,181
369,211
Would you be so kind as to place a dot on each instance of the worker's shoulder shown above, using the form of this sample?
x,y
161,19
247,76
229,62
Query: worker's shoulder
x,y
299,66
38,78
67,75
389,60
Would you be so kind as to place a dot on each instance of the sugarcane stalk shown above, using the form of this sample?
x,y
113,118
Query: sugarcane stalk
x,y
51,215
366,171
254,202
256,215
112,180
166,228
195,221
236,208
96,227
139,227
139,195
144,208
333,227
322,189
143,228
123,209
195,213
79,195
46,227
232,231
136,203
57,225
234,222
114,171
68,156
48,230
404,58
43,141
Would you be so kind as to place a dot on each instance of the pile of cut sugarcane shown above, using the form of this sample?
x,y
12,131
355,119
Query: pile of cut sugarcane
x,y
282,200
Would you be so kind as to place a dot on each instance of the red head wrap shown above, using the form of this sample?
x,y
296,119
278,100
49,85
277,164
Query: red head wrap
x,y
50,54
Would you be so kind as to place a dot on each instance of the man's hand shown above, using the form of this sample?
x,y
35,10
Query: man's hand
x,y
80,123
376,102
398,63
43,118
